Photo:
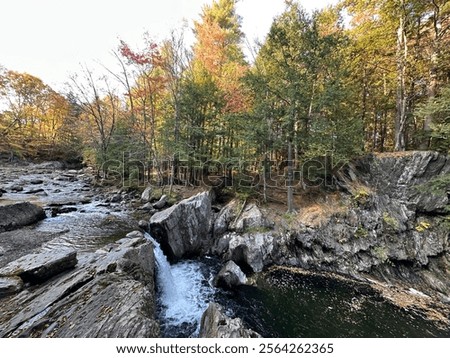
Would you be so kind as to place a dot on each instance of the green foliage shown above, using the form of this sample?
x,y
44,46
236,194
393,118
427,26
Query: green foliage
x,y
361,233
290,219
361,195
390,221
381,253
439,109
444,222
438,186
301,89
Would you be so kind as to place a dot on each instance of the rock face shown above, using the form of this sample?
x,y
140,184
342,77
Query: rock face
x,y
393,218
36,268
408,178
215,324
235,217
10,285
184,230
17,215
250,219
252,252
393,223
109,294
230,276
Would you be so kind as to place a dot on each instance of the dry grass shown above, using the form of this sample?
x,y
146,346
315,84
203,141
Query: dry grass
x,y
312,208
394,154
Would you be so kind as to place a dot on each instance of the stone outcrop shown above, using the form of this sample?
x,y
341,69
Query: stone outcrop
x,y
252,252
225,217
251,219
110,293
36,268
230,276
215,324
240,217
407,179
393,223
18,215
184,230
10,285
161,203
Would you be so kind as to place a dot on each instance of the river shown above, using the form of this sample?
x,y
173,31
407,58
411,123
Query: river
x,y
281,303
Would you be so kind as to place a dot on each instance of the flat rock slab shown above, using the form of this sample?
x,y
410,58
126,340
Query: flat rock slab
x,y
110,293
10,285
18,215
36,268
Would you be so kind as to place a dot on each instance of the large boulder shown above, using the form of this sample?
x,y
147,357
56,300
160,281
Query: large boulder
x,y
36,268
240,217
18,215
215,324
225,217
184,230
252,252
161,203
146,195
230,276
251,219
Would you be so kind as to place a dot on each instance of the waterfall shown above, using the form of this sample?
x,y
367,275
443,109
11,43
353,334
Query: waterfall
x,y
183,293
164,277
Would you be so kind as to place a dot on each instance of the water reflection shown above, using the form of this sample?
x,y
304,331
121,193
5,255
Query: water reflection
x,y
288,305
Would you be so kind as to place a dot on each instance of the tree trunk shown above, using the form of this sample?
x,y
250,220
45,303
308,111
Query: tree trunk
x,y
290,175
402,53
433,73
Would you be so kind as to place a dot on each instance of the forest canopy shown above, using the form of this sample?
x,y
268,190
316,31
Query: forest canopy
x,y
358,77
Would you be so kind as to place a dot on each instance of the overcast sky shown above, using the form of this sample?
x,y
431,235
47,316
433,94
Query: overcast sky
x,y
51,38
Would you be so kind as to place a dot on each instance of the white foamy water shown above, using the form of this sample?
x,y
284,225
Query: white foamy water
x,y
184,293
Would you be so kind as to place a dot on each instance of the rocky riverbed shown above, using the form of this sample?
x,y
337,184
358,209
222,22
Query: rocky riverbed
x,y
69,268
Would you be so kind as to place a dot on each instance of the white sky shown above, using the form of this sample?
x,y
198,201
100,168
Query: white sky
x,y
51,38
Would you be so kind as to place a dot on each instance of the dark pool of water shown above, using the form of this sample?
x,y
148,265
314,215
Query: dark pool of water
x,y
284,304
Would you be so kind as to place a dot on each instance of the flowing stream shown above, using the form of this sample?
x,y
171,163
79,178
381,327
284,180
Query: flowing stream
x,y
184,291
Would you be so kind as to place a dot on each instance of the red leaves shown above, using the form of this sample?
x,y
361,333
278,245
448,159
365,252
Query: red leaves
x,y
149,56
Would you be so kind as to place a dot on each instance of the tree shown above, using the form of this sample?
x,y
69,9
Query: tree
x,y
438,108
400,53
101,107
437,30
302,64
303,94
218,63
34,116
